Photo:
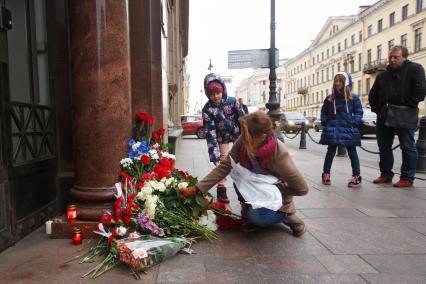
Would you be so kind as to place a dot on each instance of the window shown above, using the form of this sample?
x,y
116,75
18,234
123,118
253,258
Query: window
x,y
379,52
419,6
338,47
391,19
404,40
322,76
353,40
367,86
346,43
322,55
369,56
328,53
352,63
338,67
359,62
404,12
380,25
332,71
317,77
332,50
391,44
317,58
313,79
313,60
327,74
369,30
418,39
360,36
359,87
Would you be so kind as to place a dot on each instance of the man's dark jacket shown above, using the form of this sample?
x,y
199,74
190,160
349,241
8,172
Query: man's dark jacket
x,y
245,108
403,86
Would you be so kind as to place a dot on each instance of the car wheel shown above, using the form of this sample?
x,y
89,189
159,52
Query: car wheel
x,y
200,133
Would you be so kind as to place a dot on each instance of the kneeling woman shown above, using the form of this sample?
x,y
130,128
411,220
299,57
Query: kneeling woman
x,y
259,151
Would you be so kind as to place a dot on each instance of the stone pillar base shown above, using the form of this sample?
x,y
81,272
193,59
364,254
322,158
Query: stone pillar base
x,y
62,229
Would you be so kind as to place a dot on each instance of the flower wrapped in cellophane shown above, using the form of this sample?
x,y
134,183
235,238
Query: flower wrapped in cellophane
x,y
147,251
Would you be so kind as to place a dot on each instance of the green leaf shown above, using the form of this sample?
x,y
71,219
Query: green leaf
x,y
200,200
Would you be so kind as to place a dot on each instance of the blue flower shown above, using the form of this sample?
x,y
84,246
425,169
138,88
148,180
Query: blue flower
x,y
131,142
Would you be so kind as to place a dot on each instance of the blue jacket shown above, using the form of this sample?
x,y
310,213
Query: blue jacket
x,y
221,124
341,120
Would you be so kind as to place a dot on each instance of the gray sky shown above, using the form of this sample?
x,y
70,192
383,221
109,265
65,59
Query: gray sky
x,y
221,25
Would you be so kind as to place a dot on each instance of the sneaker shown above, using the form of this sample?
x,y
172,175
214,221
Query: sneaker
x,y
221,194
355,182
326,178
383,179
296,225
404,182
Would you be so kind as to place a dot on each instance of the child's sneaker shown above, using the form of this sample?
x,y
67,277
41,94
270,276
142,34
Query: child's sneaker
x,y
355,182
326,178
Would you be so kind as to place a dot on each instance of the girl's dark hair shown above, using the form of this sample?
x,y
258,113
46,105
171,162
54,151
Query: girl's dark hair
x,y
347,90
254,125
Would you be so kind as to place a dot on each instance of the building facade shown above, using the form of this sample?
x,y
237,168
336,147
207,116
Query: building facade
x,y
357,44
255,89
72,76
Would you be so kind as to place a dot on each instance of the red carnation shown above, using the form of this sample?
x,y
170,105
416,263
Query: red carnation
x,y
146,159
155,135
144,117
161,131
125,175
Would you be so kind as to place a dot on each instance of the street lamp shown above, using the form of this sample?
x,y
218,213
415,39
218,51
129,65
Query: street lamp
x,y
272,105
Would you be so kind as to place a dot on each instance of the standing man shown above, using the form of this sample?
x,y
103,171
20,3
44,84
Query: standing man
x,y
403,83
243,106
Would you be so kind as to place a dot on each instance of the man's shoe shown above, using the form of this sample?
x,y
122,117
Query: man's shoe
x,y
221,194
383,179
296,225
404,182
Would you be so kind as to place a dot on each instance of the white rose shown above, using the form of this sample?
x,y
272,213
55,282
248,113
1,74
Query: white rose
x,y
121,231
203,220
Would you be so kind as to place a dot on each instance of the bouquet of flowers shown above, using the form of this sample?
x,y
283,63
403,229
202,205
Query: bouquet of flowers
x,y
147,251
149,205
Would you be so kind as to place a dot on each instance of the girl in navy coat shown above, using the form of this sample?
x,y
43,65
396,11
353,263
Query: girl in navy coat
x,y
341,115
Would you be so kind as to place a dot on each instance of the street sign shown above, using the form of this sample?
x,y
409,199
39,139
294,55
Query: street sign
x,y
250,58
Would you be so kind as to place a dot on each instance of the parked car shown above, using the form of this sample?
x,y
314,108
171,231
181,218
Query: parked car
x,y
368,122
292,121
192,125
317,125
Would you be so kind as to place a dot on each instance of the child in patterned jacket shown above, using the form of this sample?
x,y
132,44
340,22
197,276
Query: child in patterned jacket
x,y
221,125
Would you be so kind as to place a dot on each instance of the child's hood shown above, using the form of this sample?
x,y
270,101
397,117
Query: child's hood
x,y
215,77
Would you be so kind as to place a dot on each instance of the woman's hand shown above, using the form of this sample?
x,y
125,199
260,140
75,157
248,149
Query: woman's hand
x,y
188,191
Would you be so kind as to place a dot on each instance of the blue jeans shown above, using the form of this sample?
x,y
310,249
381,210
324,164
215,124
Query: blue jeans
x,y
385,137
331,152
264,216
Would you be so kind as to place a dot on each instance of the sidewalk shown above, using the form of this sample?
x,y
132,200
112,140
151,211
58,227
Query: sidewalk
x,y
376,234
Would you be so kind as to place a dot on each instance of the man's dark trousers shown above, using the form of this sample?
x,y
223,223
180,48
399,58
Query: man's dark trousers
x,y
385,136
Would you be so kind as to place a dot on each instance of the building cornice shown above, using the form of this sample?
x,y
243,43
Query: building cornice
x,y
373,8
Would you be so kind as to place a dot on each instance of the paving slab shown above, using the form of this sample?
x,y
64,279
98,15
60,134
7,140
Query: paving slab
x,y
333,213
318,278
394,278
360,236
345,264
398,264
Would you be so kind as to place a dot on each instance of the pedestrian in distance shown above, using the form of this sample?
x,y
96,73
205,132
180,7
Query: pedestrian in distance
x,y
243,106
341,115
221,125
262,155
401,86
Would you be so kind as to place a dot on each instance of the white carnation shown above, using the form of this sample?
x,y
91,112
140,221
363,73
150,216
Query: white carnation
x,y
126,162
154,154
182,185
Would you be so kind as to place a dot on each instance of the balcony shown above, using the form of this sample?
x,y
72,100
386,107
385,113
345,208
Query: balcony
x,y
302,90
375,66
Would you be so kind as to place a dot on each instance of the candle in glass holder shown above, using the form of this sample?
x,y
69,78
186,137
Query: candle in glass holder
x,y
72,213
77,236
